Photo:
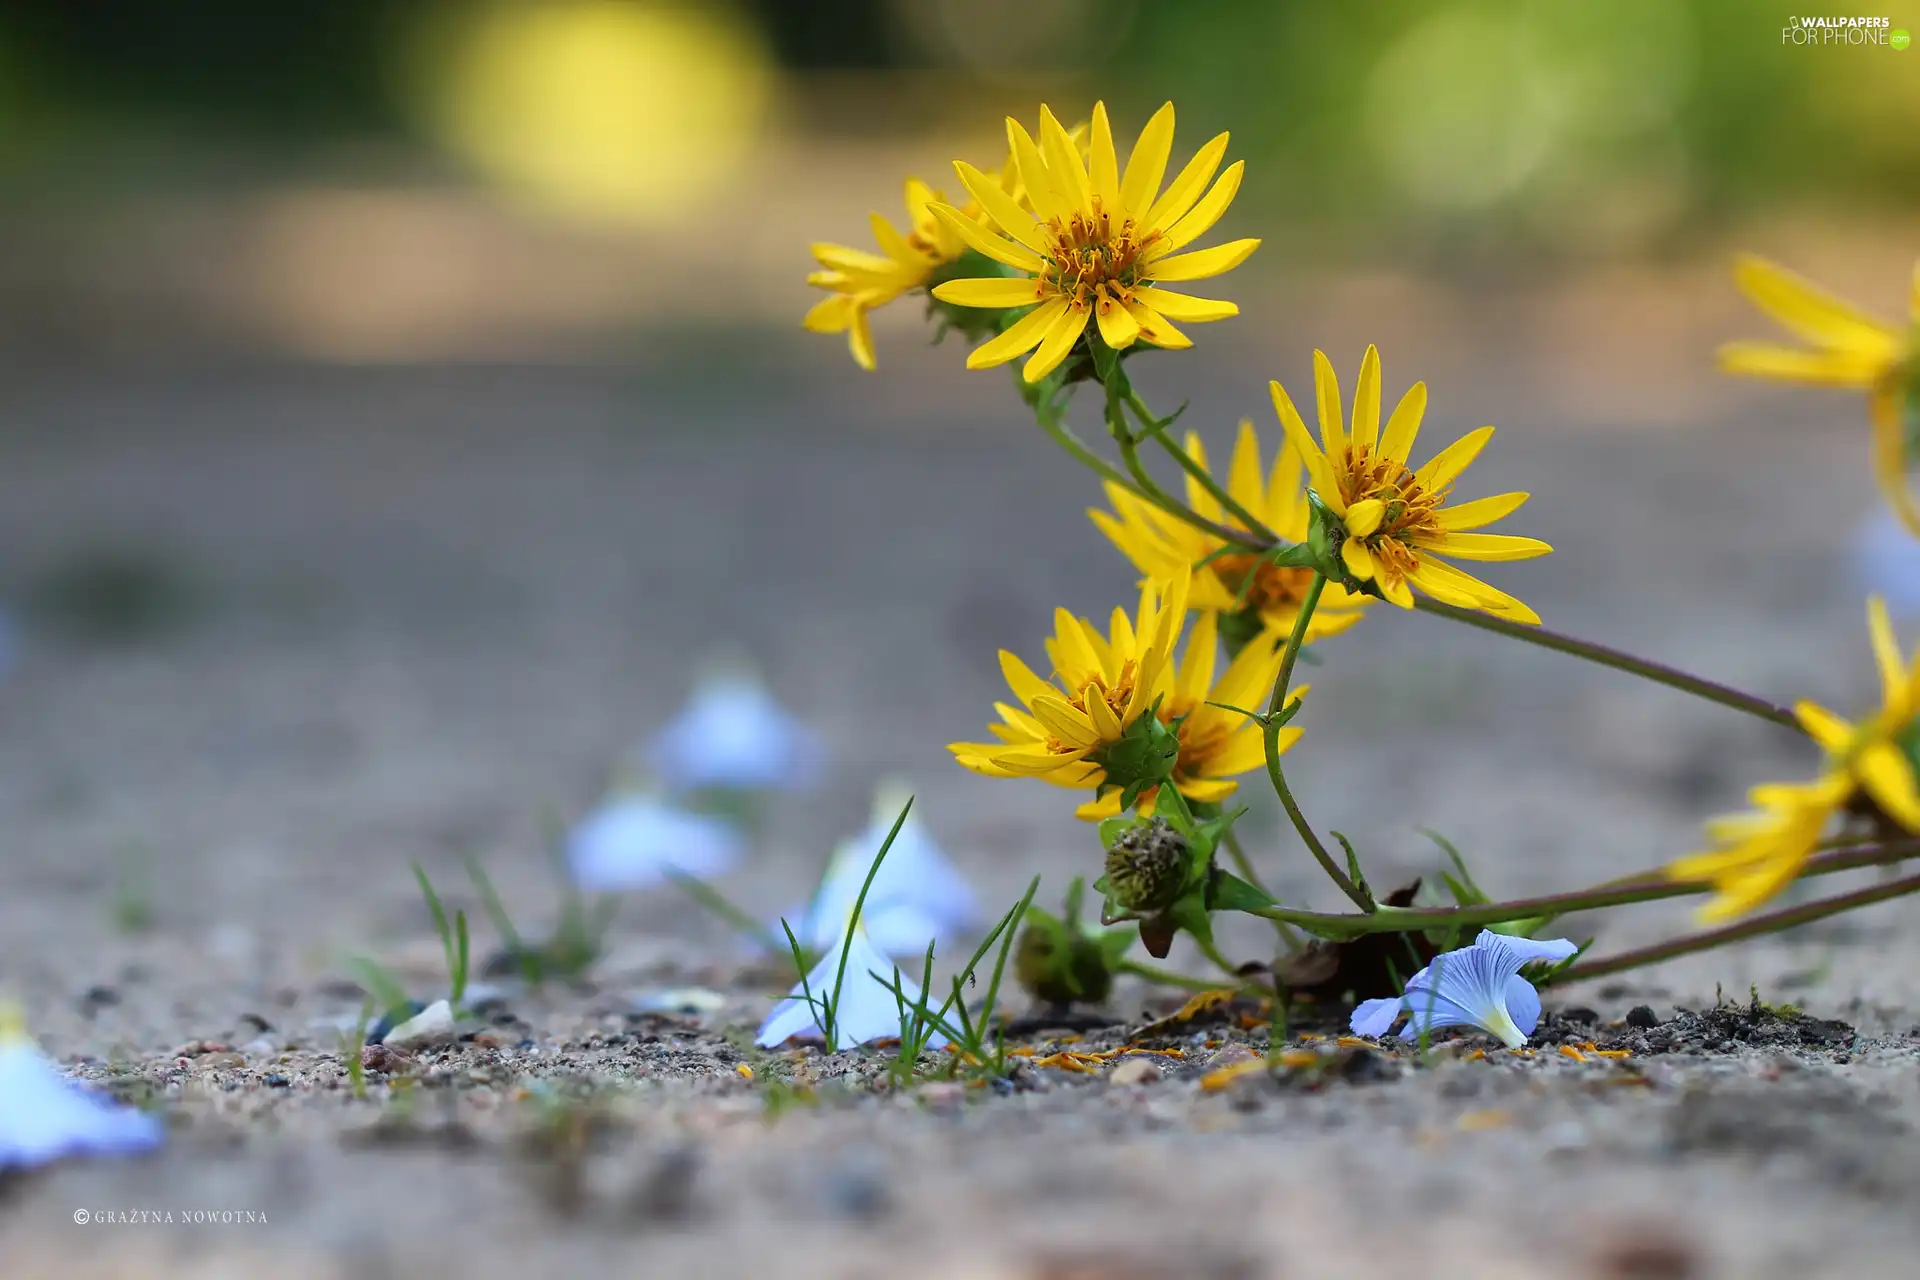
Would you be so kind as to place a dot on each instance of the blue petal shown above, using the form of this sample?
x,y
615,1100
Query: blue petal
x,y
1528,950
917,895
44,1116
631,843
1374,1017
1467,987
733,735
867,1009
1523,1004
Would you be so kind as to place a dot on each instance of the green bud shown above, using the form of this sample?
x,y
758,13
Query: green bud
x,y
1143,757
1057,966
1325,535
1147,866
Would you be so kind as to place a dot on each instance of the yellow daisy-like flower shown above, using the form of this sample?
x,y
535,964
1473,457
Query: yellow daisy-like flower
x,y
1252,595
1850,349
1216,745
1396,520
1872,763
1069,732
1095,243
861,281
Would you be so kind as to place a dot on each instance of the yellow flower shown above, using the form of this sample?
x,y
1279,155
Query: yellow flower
x,y
1215,744
1758,854
1160,544
1094,243
1071,732
1396,521
861,281
1850,349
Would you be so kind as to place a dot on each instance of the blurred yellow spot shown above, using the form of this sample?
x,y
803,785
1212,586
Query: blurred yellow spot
x,y
745,1072
607,109
1568,1051
1476,1121
1214,1081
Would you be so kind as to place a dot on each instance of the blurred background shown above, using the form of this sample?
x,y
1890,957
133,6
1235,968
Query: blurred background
x,y
401,396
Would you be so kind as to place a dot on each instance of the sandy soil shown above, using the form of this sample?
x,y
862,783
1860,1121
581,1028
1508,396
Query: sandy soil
x,y
402,612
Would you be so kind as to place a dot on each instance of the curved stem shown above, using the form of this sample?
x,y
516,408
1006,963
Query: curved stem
x,y
1651,887
1753,927
1157,429
1659,673
1270,734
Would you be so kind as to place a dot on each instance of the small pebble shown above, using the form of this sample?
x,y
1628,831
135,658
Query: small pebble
x,y
942,1097
432,1025
277,1081
1134,1069
1642,1016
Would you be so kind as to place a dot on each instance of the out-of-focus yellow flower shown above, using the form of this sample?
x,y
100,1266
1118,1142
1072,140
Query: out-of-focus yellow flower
x,y
1093,725
1758,854
1253,596
1395,520
1095,244
1215,744
861,281
1849,349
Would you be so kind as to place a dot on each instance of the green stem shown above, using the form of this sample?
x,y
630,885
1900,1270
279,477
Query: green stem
x,y
1289,939
1212,953
1618,893
1270,733
1753,927
1659,673
1157,429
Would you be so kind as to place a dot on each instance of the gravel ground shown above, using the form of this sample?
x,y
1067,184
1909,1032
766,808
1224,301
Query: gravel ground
x,y
382,616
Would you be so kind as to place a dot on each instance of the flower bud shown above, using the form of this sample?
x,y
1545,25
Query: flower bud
x,y
1059,967
1147,866
1143,757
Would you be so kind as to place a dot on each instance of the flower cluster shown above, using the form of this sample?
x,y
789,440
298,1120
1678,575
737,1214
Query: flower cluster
x,y
1067,259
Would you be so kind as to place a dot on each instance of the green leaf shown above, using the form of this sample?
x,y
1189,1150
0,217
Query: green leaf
x,y
1229,892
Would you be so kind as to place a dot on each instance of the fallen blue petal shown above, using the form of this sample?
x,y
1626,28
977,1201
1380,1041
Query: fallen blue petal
x,y
732,735
44,1116
631,843
867,1008
918,896
1477,986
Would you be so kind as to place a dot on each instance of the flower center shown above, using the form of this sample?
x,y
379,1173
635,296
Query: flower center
x,y
1263,586
1411,519
1090,252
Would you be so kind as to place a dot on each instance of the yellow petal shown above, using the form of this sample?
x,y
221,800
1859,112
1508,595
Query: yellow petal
x,y
1446,466
1196,665
1829,730
1026,686
1055,347
831,315
1154,327
1063,162
1852,369
1326,394
841,258
1105,723
1480,512
1187,186
999,248
1045,197
1243,472
1319,471
1118,328
1147,163
1001,207
1359,561
1202,263
1801,306
1404,424
1200,219
1187,308
860,339
1105,175
1366,401
1020,338
1889,779
1886,654
1491,546
1065,721
990,291
1364,516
